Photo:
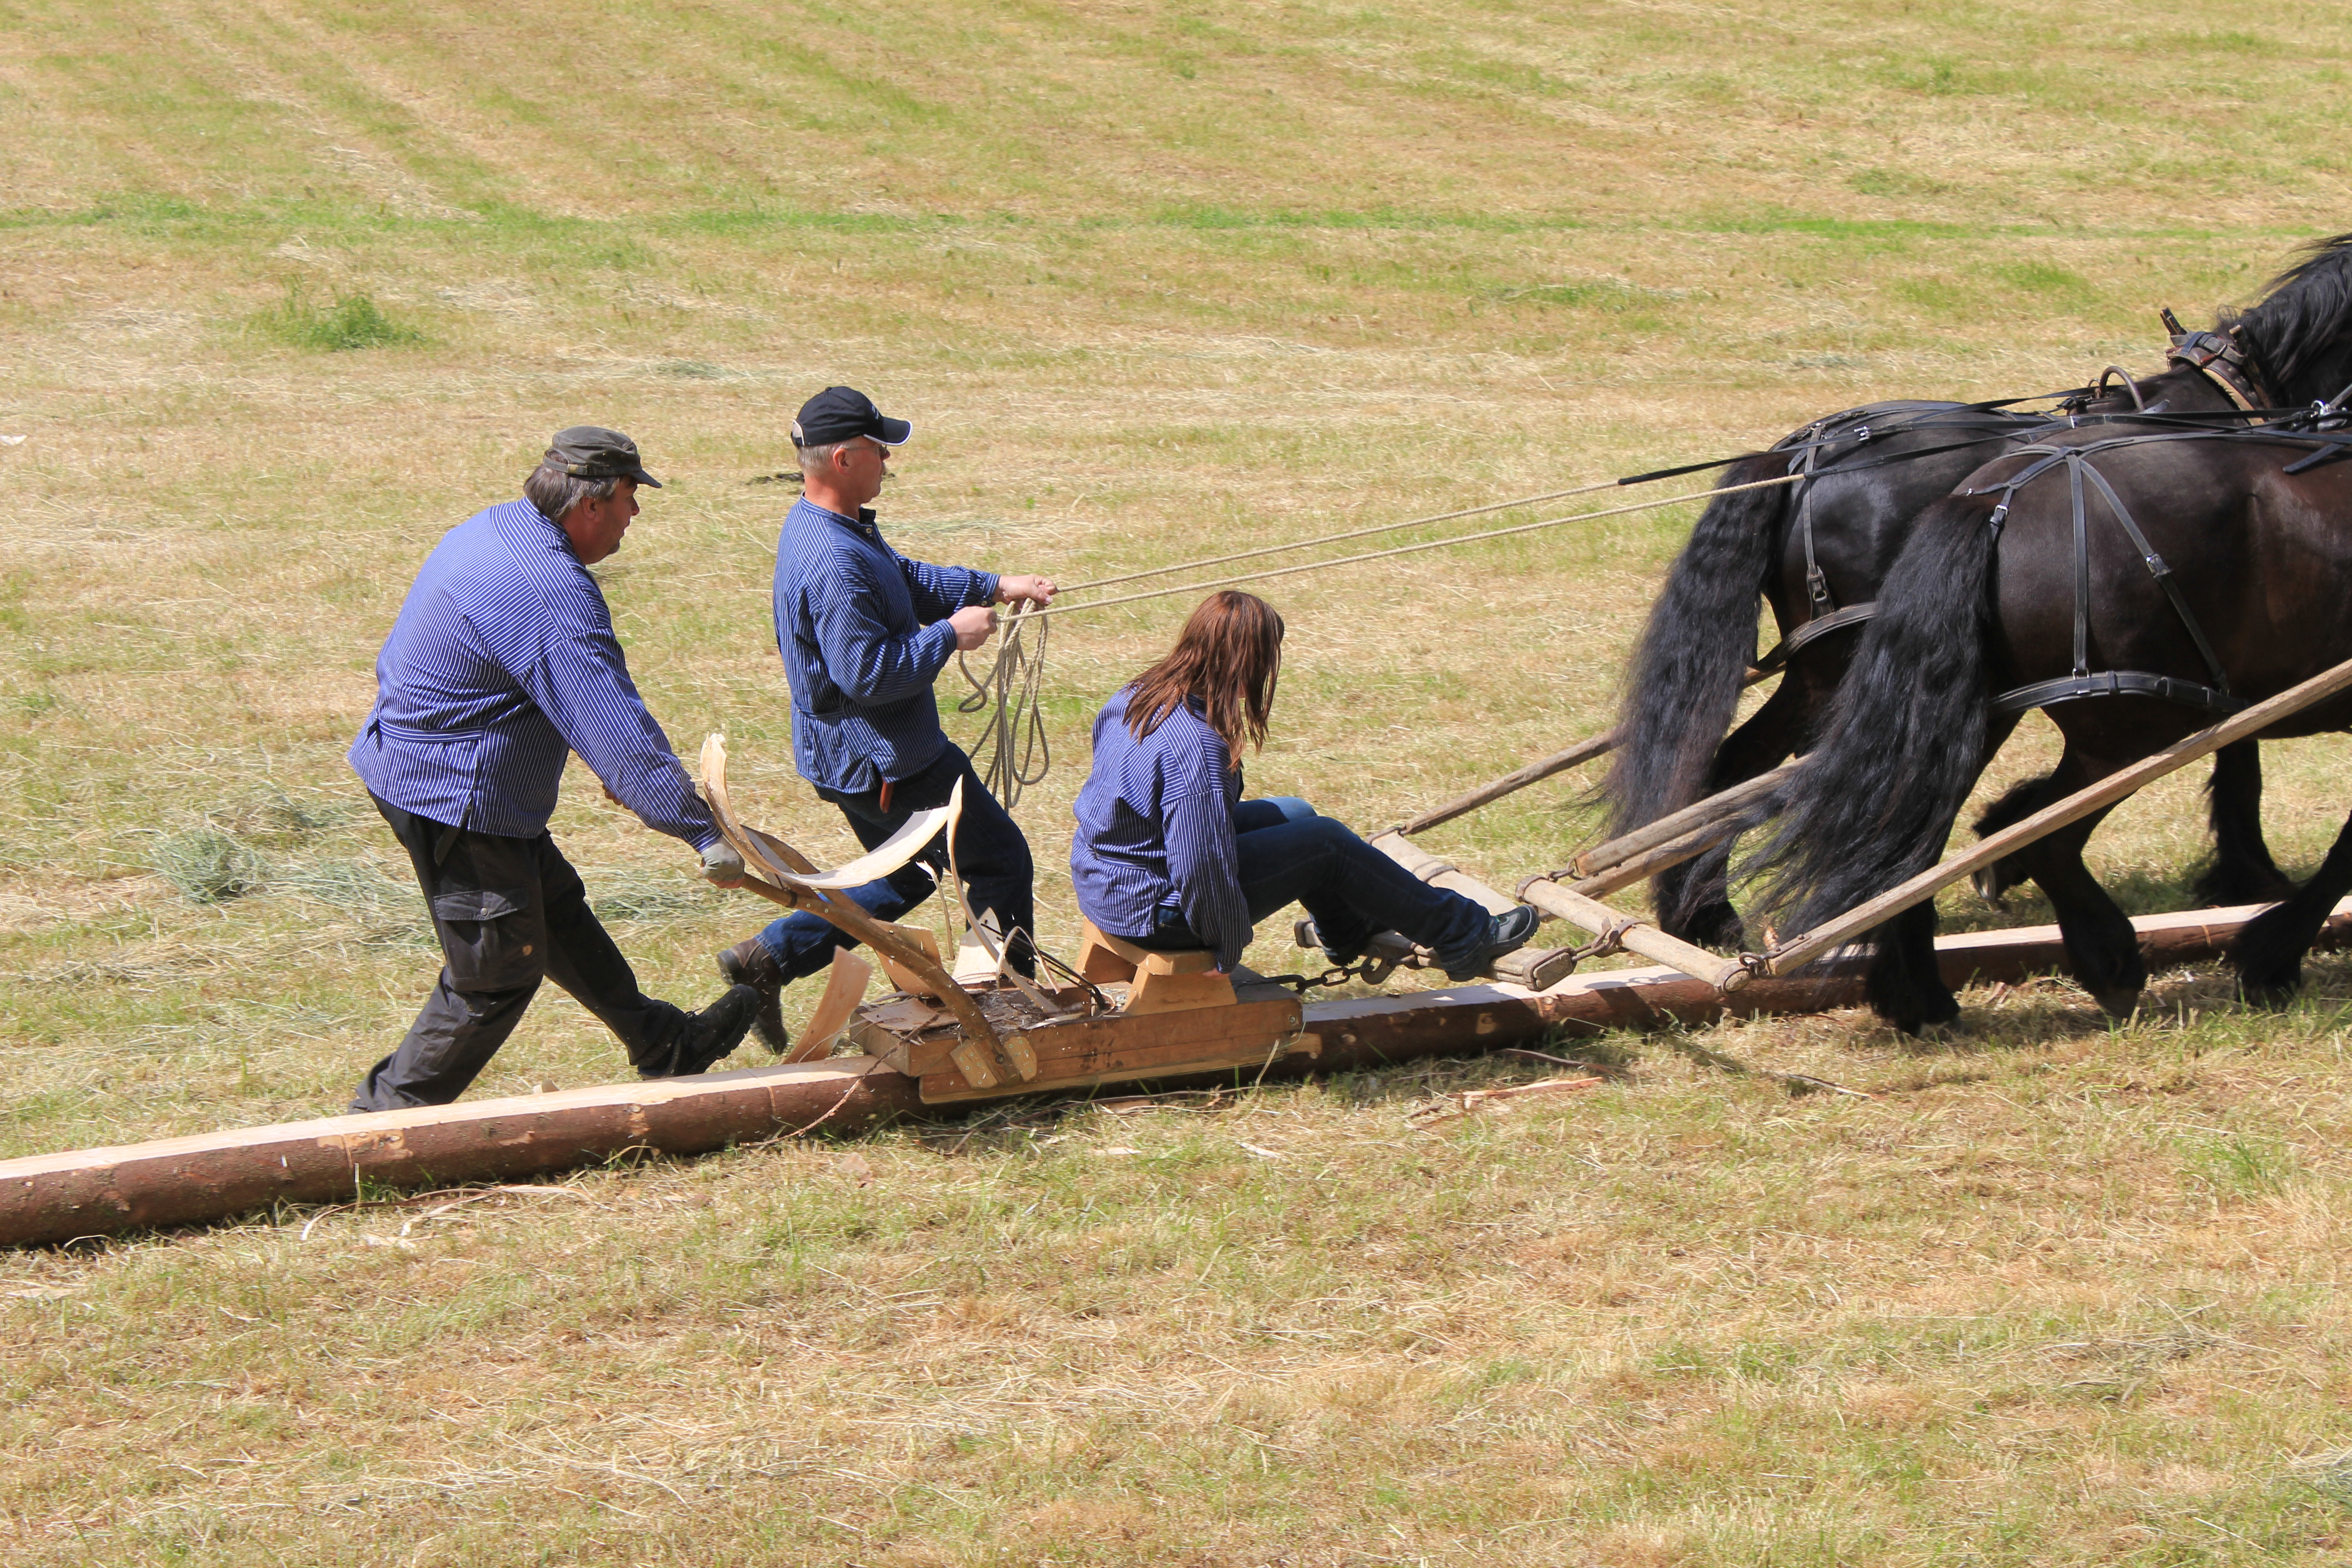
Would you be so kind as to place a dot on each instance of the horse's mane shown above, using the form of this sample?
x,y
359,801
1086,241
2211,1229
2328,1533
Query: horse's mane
x,y
2305,314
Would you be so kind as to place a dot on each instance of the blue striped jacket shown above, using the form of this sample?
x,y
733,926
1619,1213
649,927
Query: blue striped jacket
x,y
864,633
502,663
1156,827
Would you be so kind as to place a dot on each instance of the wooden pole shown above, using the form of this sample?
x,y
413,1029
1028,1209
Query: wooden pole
x,y
1509,784
1534,772
1665,829
1726,975
49,1198
1800,951
1673,852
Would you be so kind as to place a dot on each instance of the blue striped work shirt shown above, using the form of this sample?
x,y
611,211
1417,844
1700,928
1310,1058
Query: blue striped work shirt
x,y
1156,827
864,633
501,664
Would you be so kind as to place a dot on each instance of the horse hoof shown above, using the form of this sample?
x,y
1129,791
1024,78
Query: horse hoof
x,y
2116,1003
1989,885
2273,992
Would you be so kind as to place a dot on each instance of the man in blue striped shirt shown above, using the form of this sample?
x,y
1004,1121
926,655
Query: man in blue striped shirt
x,y
864,632
502,663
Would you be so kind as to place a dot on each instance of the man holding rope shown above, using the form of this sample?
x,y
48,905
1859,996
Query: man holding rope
x,y
864,632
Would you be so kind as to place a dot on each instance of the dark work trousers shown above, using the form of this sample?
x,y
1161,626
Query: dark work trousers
x,y
1286,854
509,912
989,851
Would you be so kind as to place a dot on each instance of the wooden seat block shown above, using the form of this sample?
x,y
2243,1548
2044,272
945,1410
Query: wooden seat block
x,y
1104,958
1159,981
1154,992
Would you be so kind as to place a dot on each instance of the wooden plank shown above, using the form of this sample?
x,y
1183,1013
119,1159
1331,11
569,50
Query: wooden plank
x,y
1082,1052
845,988
1800,951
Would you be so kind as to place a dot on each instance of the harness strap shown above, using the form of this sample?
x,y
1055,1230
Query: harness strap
x,y
2162,573
2081,683
1812,631
2116,683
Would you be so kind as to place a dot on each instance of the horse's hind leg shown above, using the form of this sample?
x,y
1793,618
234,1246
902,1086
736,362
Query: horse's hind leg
x,y
1905,984
2269,952
2243,871
2016,804
2099,939
1693,899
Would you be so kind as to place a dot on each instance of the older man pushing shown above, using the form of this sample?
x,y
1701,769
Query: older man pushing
x,y
502,663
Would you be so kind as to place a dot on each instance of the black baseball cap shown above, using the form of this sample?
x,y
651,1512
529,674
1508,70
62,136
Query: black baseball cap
x,y
592,452
842,413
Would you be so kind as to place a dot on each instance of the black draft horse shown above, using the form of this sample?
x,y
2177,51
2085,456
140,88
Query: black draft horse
x,y
1813,551
1984,599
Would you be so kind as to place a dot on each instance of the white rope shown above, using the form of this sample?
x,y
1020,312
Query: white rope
x,y
1353,534
1414,549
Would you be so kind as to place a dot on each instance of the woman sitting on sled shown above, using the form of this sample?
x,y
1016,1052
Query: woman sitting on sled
x,y
1169,854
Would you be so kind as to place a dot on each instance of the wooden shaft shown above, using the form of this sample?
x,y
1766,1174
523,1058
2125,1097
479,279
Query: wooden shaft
x,y
1534,772
1672,853
1726,975
1443,874
1802,950
1666,829
1509,784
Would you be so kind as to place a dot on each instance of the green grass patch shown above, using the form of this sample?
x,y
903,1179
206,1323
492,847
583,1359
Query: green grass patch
x,y
349,324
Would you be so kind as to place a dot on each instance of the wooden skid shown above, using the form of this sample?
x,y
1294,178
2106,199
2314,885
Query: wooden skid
x,y
51,1198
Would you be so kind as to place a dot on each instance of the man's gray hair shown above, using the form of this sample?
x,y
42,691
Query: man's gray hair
x,y
556,492
815,458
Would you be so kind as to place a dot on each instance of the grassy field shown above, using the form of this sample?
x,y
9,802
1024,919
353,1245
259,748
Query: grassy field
x,y
291,288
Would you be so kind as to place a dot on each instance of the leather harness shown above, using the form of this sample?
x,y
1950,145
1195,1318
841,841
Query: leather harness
x,y
1806,447
2215,356
2082,682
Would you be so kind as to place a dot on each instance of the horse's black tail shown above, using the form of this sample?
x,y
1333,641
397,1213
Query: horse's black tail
x,y
1685,683
1903,736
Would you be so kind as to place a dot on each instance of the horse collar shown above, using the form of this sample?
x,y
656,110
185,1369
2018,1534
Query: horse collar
x,y
2218,357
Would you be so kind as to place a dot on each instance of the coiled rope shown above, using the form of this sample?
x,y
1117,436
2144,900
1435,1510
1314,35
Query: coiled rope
x,y
1008,695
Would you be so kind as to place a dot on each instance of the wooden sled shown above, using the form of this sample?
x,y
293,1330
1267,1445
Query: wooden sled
x,y
1138,1015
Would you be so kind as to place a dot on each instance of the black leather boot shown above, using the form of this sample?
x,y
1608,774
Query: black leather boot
x,y
749,962
708,1036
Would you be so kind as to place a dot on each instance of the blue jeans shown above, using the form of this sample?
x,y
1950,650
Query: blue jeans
x,y
989,851
1287,854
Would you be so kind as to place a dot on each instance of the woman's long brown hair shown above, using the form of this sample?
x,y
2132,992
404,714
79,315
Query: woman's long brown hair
x,y
1229,655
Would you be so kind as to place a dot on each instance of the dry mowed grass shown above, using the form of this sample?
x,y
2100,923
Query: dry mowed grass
x,y
1154,281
